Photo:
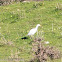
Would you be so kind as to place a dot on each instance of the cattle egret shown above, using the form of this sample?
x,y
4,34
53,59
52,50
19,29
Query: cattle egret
x,y
34,30
31,32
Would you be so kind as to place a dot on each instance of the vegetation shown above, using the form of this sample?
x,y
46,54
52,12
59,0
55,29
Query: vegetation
x,y
18,18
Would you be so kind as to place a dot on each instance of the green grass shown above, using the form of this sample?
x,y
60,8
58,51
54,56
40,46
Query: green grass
x,y
18,18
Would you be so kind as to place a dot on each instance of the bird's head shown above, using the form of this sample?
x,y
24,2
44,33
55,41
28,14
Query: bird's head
x,y
38,25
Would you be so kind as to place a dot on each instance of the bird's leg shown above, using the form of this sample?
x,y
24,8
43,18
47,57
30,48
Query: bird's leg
x,y
30,37
33,37
37,33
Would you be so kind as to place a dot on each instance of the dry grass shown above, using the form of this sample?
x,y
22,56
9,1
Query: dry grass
x,y
42,53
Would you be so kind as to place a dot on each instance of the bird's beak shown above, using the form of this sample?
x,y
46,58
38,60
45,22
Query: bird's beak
x,y
40,25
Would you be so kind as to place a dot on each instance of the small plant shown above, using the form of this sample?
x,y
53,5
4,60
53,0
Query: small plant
x,y
1,2
42,53
37,5
59,6
14,56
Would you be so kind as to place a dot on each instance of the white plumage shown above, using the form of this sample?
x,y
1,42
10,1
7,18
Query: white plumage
x,y
34,30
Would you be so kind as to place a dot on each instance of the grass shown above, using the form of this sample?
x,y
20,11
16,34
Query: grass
x,y
18,18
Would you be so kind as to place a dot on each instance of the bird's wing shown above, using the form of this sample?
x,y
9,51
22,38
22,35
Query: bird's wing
x,y
32,31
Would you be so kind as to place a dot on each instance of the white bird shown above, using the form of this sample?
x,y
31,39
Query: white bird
x,y
34,30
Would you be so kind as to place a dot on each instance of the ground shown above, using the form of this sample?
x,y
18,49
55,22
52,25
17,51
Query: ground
x,y
18,18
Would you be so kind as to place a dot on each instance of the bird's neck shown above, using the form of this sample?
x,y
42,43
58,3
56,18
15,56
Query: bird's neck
x,y
36,27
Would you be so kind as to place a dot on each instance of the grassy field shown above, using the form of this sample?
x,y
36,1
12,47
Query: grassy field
x,y
18,18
